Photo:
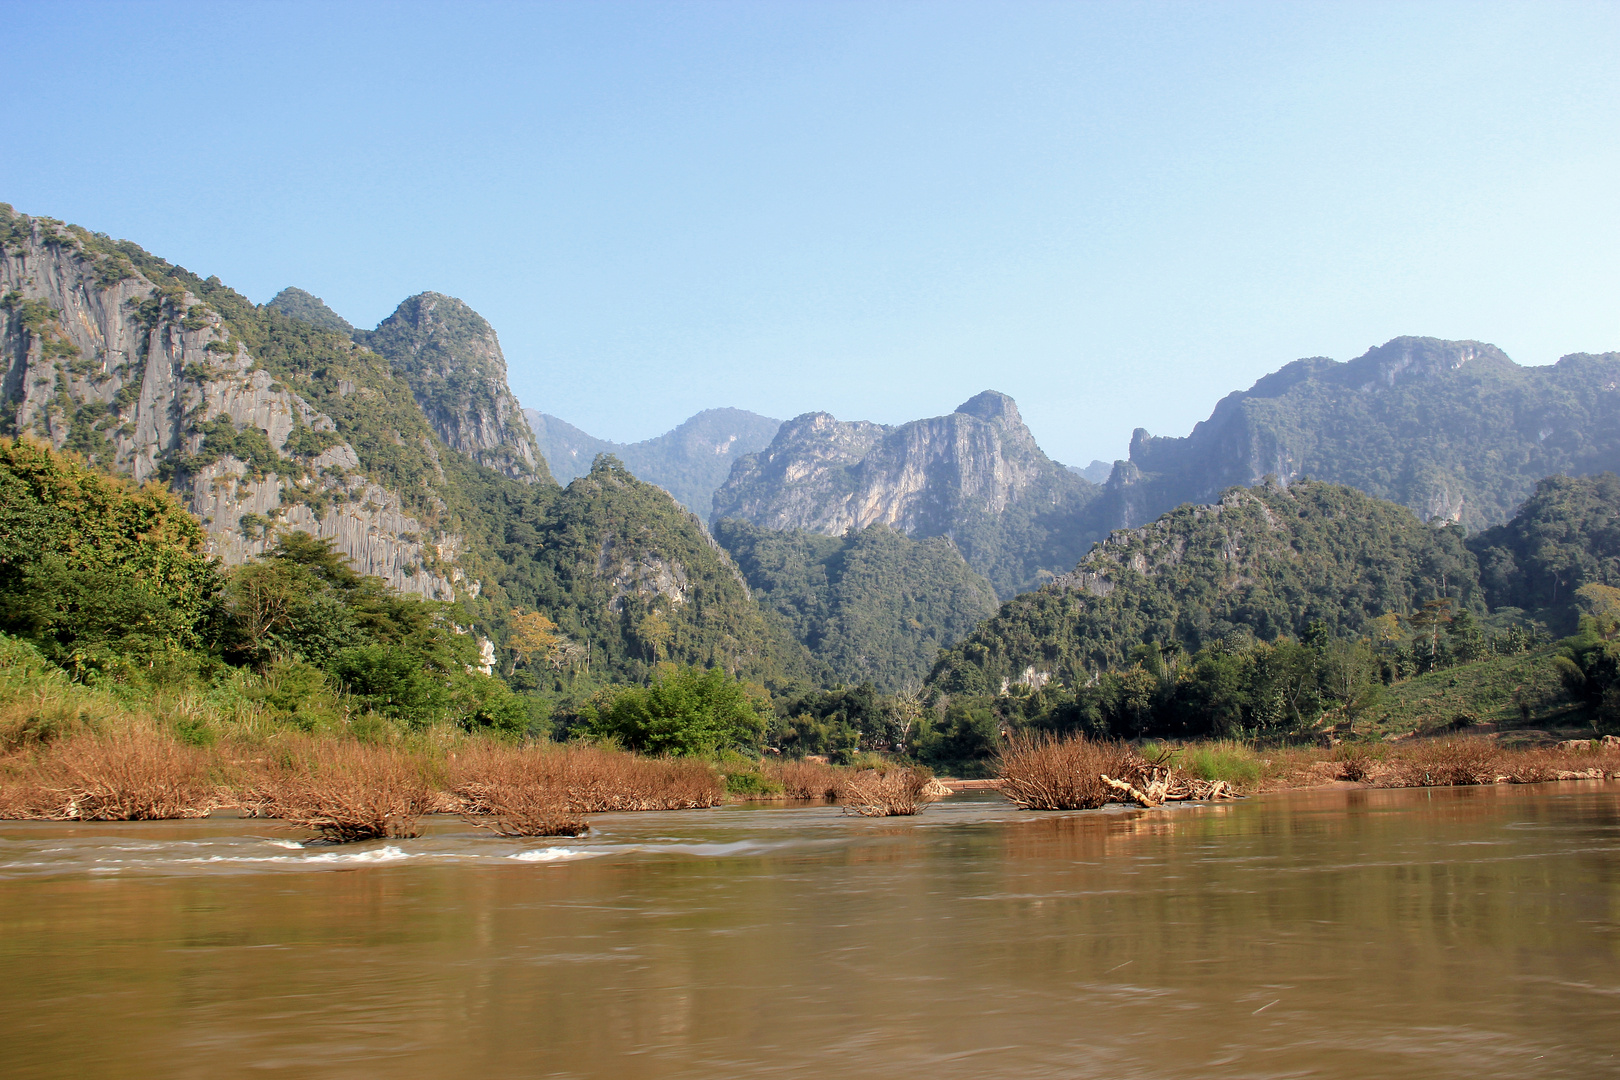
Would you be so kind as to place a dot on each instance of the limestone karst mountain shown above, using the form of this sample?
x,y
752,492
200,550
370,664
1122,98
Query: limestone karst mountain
x,y
871,606
453,362
1261,562
689,462
975,476
1452,429
118,356
263,423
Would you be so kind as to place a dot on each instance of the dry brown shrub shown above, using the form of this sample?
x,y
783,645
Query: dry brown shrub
x,y
1358,761
139,775
345,791
598,781
593,780
1447,763
1043,772
512,791
888,792
808,780
1533,766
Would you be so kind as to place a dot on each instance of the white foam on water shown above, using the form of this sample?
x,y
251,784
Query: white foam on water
x,y
376,855
291,845
550,854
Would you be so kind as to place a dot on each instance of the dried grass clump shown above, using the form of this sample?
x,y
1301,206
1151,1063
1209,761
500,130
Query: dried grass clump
x,y
580,780
1447,763
1358,762
511,791
345,791
806,780
138,775
888,792
598,781
1043,772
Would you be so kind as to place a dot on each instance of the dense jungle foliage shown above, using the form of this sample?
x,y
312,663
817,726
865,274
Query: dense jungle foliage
x,y
1565,538
872,606
1270,560
110,583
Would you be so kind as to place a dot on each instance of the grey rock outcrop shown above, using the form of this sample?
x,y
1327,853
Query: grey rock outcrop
x,y
975,475
1454,430
453,362
146,381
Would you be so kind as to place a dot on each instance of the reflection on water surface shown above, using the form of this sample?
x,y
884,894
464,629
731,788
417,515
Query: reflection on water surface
x,y
1334,934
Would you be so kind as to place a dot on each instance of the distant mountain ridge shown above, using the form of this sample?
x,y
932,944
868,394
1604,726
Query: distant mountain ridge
x,y
1454,430
689,462
974,475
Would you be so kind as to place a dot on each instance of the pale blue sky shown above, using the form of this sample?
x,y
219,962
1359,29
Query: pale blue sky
x,y
1115,213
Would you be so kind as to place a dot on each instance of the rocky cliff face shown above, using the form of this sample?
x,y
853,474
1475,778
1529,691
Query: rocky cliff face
x,y
975,476
689,462
1454,430
149,381
453,362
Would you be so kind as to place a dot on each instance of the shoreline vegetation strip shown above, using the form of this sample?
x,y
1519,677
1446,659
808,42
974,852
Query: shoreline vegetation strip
x,y
345,790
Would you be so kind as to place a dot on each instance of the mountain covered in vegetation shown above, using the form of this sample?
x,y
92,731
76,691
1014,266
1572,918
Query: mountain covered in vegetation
x,y
1558,557
975,476
689,462
1452,429
872,606
306,307
1267,562
453,364
264,424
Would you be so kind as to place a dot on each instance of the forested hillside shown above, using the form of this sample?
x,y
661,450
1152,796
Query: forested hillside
x,y
1559,556
871,606
1266,561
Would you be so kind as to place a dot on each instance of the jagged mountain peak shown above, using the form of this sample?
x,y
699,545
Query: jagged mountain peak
x,y
1454,430
992,405
974,475
452,359
295,303
1405,358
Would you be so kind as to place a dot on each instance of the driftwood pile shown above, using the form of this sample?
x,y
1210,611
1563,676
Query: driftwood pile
x,y
1162,785
1043,772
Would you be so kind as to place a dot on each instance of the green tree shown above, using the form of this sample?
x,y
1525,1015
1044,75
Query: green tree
x,y
684,711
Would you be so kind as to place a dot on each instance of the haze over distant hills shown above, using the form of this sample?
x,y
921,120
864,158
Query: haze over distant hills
x,y
689,462
1452,429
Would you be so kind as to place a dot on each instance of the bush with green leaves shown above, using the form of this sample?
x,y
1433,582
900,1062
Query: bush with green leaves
x,y
684,711
91,565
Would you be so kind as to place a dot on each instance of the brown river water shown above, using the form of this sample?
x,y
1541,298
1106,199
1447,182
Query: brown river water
x,y
1454,932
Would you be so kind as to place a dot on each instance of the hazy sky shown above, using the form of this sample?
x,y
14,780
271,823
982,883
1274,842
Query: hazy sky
x,y
1115,213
